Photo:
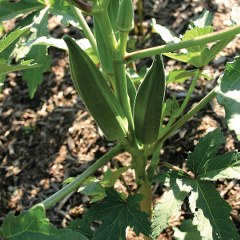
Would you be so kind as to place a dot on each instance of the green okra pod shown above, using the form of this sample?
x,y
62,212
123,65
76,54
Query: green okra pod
x,y
125,18
148,105
95,93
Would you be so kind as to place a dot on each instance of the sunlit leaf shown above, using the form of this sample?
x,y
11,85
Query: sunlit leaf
x,y
203,20
200,55
166,34
211,212
228,95
10,10
6,41
6,68
169,204
186,231
33,224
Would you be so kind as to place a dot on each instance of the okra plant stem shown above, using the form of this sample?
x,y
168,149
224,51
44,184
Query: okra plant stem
x,y
208,38
87,31
120,78
59,195
184,119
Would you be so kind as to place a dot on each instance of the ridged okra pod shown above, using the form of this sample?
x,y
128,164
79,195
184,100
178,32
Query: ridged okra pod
x,y
125,16
149,103
95,93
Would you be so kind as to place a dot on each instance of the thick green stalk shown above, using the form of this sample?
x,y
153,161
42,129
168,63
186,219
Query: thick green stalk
x,y
59,195
183,120
87,31
208,38
121,80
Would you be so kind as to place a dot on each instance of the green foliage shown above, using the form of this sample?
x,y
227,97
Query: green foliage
x,y
6,45
33,224
170,203
187,231
200,55
228,94
38,52
129,106
211,212
116,215
10,10
5,68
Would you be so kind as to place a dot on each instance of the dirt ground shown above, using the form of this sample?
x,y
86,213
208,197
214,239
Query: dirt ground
x,y
52,137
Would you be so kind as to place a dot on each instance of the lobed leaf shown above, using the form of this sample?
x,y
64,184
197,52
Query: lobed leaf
x,y
6,68
228,95
34,77
116,215
200,55
187,231
203,20
10,10
211,212
6,41
205,150
222,167
33,224
170,203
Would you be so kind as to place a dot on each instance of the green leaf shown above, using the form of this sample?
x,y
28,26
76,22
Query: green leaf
x,y
186,231
94,189
33,224
204,151
201,55
203,20
5,68
222,167
180,76
228,95
34,77
170,203
211,213
6,41
197,32
167,35
171,107
110,177
10,10
63,10
116,215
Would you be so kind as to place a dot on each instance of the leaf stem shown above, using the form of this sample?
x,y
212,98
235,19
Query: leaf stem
x,y
184,119
183,106
208,38
87,31
62,193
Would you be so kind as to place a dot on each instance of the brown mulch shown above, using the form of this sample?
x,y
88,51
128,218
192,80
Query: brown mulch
x,y
52,137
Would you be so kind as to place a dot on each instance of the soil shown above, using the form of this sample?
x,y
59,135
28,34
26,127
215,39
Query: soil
x,y
52,137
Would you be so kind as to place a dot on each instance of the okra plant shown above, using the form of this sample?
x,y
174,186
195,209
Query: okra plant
x,y
140,118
